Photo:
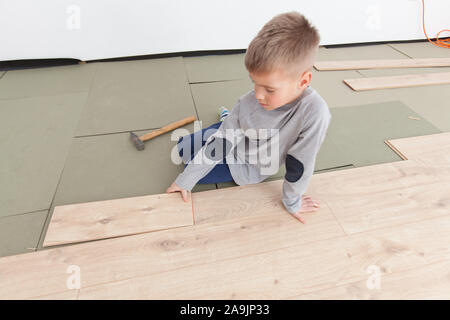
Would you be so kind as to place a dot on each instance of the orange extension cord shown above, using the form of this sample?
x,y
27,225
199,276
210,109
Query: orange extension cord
x,y
438,42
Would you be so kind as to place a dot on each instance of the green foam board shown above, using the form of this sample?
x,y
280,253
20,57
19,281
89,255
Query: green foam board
x,y
358,52
216,68
110,167
20,233
423,49
47,81
35,136
430,102
136,95
209,97
330,85
360,131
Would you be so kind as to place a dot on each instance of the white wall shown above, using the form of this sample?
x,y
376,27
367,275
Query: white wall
x,y
98,29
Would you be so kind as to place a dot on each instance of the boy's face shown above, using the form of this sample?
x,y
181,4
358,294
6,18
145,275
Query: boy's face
x,y
275,89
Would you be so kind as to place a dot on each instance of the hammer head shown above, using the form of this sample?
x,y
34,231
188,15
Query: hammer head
x,y
138,143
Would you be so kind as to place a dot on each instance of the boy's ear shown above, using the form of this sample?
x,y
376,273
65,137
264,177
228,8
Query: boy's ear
x,y
305,79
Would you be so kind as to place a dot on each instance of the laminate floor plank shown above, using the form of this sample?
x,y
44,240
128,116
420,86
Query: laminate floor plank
x,y
113,218
301,269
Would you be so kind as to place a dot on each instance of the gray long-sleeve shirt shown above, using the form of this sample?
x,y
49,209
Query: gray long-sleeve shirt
x,y
258,141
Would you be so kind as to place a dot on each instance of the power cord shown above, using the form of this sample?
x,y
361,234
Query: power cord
x,y
439,42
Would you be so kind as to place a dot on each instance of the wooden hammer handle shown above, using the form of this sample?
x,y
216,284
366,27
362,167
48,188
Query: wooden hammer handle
x,y
167,128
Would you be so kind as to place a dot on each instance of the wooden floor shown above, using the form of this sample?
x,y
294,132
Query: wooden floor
x,y
382,232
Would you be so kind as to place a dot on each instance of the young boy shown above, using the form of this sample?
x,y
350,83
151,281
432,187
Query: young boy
x,y
279,60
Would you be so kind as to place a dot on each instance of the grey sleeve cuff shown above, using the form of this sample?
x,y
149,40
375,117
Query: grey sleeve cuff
x,y
183,182
293,206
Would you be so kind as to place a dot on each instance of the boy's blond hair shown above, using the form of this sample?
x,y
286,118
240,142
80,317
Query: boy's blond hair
x,y
288,41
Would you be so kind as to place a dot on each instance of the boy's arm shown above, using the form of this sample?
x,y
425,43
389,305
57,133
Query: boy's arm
x,y
300,160
201,164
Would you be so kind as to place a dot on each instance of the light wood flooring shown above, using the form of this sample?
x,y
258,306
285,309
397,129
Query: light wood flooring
x,y
382,232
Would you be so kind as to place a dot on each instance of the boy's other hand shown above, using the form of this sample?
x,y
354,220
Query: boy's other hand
x,y
175,188
308,205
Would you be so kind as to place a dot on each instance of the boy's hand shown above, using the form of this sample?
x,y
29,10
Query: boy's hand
x,y
308,205
174,188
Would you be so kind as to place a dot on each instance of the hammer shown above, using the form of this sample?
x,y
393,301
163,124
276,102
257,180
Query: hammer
x,y
139,141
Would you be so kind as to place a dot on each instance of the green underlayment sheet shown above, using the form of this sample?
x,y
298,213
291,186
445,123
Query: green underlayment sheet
x,y
211,68
337,94
330,84
47,81
359,52
35,136
136,95
20,233
431,102
360,131
423,49
108,167
208,97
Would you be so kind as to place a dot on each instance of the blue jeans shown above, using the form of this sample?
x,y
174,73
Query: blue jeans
x,y
221,171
